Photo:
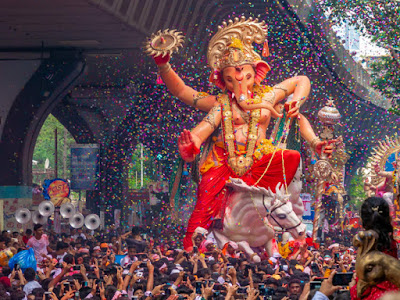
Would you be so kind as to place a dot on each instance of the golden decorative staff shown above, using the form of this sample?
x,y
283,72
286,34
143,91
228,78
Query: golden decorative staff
x,y
329,169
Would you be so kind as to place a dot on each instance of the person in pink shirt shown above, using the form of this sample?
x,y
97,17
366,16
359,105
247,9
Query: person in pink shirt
x,y
39,242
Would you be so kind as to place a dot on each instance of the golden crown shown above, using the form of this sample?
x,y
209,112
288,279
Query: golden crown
x,y
232,45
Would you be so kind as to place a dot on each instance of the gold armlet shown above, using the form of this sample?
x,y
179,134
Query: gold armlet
x,y
282,88
199,96
269,97
210,118
162,69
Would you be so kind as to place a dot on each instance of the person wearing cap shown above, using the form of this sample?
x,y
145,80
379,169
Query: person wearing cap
x,y
230,249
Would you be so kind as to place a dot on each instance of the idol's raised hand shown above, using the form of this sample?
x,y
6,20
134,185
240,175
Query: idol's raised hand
x,y
186,146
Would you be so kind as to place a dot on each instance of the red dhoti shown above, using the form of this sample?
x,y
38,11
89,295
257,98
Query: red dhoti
x,y
211,191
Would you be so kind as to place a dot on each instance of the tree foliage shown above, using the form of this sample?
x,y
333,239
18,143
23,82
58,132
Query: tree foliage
x,y
378,20
149,168
45,146
356,191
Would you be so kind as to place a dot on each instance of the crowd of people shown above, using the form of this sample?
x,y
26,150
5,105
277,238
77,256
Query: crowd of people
x,y
139,265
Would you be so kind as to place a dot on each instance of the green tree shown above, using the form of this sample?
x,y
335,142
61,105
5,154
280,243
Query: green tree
x,y
45,148
378,20
356,191
149,168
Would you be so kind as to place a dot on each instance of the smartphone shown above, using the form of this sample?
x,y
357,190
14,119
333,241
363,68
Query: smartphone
x,y
262,290
314,267
141,256
77,296
135,297
16,267
342,279
76,268
47,295
85,284
242,290
199,285
195,249
269,291
337,256
315,285
246,270
143,265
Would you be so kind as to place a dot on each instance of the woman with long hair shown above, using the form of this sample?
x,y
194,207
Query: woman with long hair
x,y
375,215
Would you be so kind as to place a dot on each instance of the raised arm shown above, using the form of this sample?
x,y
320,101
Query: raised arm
x,y
189,142
299,86
179,89
382,173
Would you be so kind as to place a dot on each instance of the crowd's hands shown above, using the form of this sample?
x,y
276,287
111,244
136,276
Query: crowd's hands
x,y
96,269
252,293
52,296
327,288
306,290
158,290
230,290
102,290
207,290
68,295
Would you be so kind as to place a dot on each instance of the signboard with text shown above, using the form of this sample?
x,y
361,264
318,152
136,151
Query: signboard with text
x,y
307,214
85,166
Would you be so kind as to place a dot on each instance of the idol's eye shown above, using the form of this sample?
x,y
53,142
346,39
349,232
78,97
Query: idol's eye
x,y
248,76
281,216
229,79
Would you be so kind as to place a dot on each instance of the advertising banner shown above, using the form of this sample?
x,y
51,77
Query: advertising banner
x,y
85,166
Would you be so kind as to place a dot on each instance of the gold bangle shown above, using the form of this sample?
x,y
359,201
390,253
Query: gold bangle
x,y
162,69
314,142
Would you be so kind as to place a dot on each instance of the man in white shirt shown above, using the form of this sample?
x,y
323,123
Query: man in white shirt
x,y
130,258
32,284
61,251
39,242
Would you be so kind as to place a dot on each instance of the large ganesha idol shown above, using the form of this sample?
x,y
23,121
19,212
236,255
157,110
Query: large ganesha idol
x,y
249,183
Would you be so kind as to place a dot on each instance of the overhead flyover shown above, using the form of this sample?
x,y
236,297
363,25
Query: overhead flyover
x,y
83,62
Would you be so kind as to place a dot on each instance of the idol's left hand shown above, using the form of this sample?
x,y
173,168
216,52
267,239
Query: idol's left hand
x,y
293,109
328,150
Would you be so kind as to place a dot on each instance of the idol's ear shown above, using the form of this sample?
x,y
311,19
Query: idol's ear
x,y
219,81
262,68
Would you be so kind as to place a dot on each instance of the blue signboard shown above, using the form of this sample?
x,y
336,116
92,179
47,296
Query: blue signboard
x,y
85,166
308,213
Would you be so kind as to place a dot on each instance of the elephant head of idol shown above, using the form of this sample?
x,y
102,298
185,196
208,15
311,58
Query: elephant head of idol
x,y
372,266
237,68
